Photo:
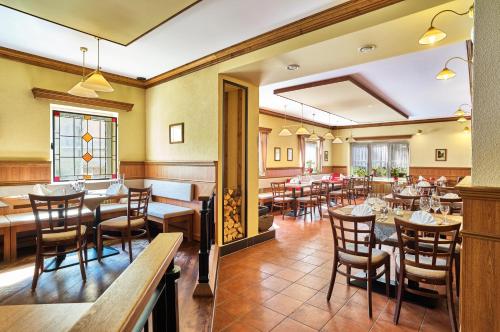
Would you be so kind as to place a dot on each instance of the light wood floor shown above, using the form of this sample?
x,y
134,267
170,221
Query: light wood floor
x,y
66,286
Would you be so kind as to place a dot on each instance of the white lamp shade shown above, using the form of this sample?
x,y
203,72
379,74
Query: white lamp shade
x,y
328,135
80,91
313,137
337,140
302,131
285,132
97,82
459,112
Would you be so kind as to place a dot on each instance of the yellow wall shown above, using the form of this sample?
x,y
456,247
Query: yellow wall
x,y
25,121
273,140
439,135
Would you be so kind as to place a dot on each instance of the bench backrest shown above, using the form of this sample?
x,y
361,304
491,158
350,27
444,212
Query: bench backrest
x,y
181,191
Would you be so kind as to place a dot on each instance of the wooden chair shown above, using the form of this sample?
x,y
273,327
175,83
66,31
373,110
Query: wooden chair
x,y
323,196
312,201
280,199
136,220
410,180
346,191
426,254
64,233
414,200
354,246
398,202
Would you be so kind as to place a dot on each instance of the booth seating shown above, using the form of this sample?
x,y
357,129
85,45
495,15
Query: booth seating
x,y
5,233
25,222
165,213
113,210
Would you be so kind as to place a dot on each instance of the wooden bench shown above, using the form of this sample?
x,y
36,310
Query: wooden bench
x,y
5,233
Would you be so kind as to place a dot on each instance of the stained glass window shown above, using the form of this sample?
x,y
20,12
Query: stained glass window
x,y
83,146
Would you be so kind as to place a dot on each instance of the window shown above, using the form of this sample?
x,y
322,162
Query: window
x,y
381,159
84,146
311,155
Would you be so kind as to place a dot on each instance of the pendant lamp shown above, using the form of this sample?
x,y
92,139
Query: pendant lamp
x,y
78,89
96,80
314,136
337,140
329,135
302,130
285,131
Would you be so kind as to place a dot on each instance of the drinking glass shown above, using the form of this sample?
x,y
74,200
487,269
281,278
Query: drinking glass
x,y
425,204
435,203
445,209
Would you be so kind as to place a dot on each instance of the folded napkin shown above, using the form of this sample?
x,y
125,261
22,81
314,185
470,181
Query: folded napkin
x,y
361,210
451,195
325,177
43,190
421,178
423,184
422,217
295,180
117,189
342,176
442,179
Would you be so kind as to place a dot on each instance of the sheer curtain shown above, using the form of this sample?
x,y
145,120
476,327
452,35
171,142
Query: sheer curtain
x,y
359,155
262,152
400,155
381,157
302,151
319,157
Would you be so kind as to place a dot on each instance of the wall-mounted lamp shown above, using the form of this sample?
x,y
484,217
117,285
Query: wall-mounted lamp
x,y
433,35
446,73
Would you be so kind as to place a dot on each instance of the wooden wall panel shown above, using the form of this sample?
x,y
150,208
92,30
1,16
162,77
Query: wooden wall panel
x,y
133,169
278,172
24,172
480,258
335,169
451,173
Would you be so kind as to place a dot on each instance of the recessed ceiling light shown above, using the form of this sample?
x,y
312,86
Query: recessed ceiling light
x,y
293,66
366,48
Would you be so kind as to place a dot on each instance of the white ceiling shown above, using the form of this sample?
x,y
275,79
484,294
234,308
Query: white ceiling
x,y
207,27
406,81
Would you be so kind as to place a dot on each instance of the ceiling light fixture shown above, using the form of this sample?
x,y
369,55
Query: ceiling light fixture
x,y
314,136
78,89
466,130
419,132
337,140
285,131
96,80
367,49
293,67
433,35
446,73
460,111
350,139
329,135
462,119
302,130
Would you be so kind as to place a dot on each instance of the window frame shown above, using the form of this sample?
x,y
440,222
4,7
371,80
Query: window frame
x,y
83,112
369,165
316,164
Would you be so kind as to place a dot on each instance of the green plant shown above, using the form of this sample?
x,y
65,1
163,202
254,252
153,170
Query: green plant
x,y
359,171
380,171
398,172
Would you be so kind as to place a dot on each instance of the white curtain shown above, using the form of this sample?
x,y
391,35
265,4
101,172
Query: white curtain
x,y
262,153
302,151
381,157
359,155
400,155
319,157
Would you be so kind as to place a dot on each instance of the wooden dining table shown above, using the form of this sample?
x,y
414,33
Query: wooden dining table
x,y
92,201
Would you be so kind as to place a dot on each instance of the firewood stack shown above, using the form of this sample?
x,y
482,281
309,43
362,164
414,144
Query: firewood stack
x,y
233,228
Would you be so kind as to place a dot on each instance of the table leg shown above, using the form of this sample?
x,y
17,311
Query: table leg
x,y
97,221
295,203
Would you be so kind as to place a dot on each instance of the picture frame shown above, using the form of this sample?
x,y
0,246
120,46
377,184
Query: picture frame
x,y
441,155
277,154
176,133
289,154
325,155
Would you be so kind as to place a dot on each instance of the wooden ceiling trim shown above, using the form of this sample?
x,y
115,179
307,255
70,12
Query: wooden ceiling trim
x,y
337,14
346,78
66,97
400,123
293,118
65,67
383,138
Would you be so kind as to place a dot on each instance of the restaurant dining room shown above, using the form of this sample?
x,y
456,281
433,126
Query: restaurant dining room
x,y
236,165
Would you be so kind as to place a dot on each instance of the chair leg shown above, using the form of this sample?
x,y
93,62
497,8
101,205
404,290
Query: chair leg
x,y
123,241
129,239
369,282
388,277
99,244
37,268
149,234
80,260
347,277
85,253
457,273
332,279
399,298
451,306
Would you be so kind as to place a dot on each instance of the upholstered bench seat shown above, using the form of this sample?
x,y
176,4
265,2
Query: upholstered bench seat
x,y
163,214
113,210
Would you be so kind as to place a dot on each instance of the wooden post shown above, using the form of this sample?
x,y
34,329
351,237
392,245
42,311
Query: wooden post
x,y
203,287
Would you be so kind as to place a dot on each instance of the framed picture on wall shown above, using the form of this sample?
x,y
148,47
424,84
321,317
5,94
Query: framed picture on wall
x,y
325,156
277,154
176,133
289,154
441,154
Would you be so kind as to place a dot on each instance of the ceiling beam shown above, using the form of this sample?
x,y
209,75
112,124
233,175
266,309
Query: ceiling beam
x,y
293,118
399,123
65,67
346,78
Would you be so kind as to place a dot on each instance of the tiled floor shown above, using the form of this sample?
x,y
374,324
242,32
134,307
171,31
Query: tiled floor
x,y
281,285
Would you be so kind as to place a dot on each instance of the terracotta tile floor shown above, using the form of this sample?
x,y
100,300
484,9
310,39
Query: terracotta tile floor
x,y
281,285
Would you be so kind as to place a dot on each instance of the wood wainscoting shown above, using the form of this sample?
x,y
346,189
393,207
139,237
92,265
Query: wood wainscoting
x,y
480,258
13,173
451,173
279,172
202,174
133,170
335,169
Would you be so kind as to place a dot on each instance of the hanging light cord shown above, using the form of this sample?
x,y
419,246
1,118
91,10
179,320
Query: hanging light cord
x,y
98,52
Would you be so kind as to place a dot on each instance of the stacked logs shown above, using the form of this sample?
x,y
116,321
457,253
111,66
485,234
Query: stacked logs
x,y
233,228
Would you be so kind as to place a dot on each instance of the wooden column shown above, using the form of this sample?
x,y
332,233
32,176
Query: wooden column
x,y
480,258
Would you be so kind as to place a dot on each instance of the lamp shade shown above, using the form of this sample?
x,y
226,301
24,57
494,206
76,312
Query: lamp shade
x,y
337,140
461,119
285,132
466,130
459,112
328,135
445,74
80,91
302,131
97,82
431,36
313,137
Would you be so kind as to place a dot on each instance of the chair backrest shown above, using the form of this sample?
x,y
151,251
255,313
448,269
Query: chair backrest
x,y
347,184
447,190
395,202
138,200
278,189
412,199
429,247
409,179
353,235
316,189
368,182
56,212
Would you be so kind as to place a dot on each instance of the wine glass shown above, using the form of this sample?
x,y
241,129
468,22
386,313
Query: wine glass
x,y
435,204
445,209
425,204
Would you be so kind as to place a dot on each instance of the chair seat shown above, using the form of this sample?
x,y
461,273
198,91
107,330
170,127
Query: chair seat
x,y
121,223
305,199
165,211
282,199
62,236
423,272
378,256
